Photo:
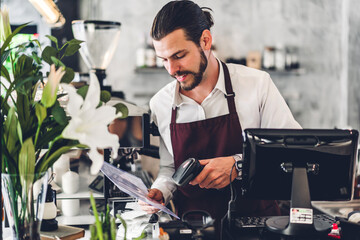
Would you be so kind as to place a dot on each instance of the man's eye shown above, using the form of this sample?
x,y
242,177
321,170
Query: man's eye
x,y
179,56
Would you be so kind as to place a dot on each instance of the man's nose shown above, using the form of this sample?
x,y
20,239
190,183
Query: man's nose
x,y
172,67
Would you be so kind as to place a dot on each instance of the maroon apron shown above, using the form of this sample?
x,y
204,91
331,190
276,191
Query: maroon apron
x,y
210,138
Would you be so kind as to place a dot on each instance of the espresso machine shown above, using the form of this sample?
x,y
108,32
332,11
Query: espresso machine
x,y
101,39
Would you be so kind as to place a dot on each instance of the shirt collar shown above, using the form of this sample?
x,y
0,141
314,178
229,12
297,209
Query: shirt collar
x,y
220,85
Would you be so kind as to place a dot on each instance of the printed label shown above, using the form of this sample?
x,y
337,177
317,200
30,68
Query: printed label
x,y
301,215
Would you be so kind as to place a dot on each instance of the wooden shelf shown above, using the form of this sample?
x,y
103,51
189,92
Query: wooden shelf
x,y
148,70
295,72
64,233
79,195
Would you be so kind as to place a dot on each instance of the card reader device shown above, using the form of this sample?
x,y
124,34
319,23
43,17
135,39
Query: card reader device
x,y
187,171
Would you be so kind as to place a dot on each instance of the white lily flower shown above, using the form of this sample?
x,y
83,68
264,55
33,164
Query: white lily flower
x,y
5,29
51,87
89,124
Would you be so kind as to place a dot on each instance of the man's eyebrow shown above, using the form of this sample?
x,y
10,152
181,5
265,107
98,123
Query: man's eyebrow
x,y
180,51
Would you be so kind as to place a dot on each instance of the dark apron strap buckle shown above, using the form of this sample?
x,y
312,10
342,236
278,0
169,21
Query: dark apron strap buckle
x,y
229,94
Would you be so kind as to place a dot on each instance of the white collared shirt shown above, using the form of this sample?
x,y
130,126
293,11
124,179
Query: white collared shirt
x,y
258,104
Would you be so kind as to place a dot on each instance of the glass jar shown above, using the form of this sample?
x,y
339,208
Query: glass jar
x,y
269,58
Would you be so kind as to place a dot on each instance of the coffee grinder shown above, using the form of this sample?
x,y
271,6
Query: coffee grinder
x,y
100,42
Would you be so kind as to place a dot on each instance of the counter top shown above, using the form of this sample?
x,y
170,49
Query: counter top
x,y
337,208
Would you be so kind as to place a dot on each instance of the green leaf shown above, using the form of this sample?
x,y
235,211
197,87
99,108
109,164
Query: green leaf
x,y
27,163
23,110
8,39
93,232
96,215
4,106
142,236
35,89
24,67
59,114
83,91
57,62
5,73
40,112
10,131
75,41
120,107
46,162
123,223
50,135
69,75
48,53
8,161
53,39
37,42
36,58
71,49
105,96
23,81
19,132
113,228
5,56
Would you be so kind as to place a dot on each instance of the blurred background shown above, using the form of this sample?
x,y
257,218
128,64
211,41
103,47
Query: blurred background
x,y
311,48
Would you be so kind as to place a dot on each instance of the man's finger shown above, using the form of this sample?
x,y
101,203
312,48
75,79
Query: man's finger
x,y
199,178
204,161
151,193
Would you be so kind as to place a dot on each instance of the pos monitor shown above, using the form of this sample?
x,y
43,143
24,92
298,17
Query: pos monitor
x,y
300,165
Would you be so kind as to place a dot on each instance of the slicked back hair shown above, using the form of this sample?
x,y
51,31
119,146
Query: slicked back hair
x,y
185,15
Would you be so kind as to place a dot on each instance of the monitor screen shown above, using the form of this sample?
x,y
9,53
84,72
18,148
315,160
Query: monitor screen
x,y
328,155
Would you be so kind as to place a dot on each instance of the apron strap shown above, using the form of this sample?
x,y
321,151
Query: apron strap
x,y
173,115
229,91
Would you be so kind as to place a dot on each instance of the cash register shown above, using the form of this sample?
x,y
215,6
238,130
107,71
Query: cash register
x,y
300,166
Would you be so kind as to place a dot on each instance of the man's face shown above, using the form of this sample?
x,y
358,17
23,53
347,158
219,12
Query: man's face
x,y
183,59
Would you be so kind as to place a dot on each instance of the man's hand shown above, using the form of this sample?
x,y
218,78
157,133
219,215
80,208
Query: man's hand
x,y
216,173
154,194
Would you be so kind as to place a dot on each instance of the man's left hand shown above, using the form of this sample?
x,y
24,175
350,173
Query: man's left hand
x,y
216,173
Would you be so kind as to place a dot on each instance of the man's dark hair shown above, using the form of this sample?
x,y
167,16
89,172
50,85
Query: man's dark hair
x,y
185,15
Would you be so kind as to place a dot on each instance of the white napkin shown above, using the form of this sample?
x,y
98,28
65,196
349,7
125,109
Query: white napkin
x,y
136,222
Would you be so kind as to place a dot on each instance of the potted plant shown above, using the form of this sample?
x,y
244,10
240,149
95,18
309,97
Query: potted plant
x,y
36,130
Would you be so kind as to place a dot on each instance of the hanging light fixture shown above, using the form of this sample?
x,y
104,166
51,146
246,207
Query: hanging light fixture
x,y
49,11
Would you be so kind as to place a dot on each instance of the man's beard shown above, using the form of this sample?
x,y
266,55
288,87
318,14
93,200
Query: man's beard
x,y
198,76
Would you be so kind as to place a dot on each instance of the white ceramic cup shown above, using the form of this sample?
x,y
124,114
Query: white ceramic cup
x,y
70,207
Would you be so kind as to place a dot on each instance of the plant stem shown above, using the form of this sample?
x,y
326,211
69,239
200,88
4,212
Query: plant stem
x,y
37,134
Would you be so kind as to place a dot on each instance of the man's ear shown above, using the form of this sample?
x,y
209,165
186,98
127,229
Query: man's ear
x,y
206,40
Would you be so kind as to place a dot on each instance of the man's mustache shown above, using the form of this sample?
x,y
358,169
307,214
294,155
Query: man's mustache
x,y
182,73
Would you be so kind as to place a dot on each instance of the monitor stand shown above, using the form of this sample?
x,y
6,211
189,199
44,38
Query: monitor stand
x,y
300,222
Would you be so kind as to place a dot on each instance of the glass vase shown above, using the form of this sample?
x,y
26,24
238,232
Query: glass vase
x,y
24,200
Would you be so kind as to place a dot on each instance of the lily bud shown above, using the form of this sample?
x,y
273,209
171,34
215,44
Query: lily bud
x,y
51,87
5,29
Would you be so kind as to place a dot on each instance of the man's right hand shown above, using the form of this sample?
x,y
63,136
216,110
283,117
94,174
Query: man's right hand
x,y
154,194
